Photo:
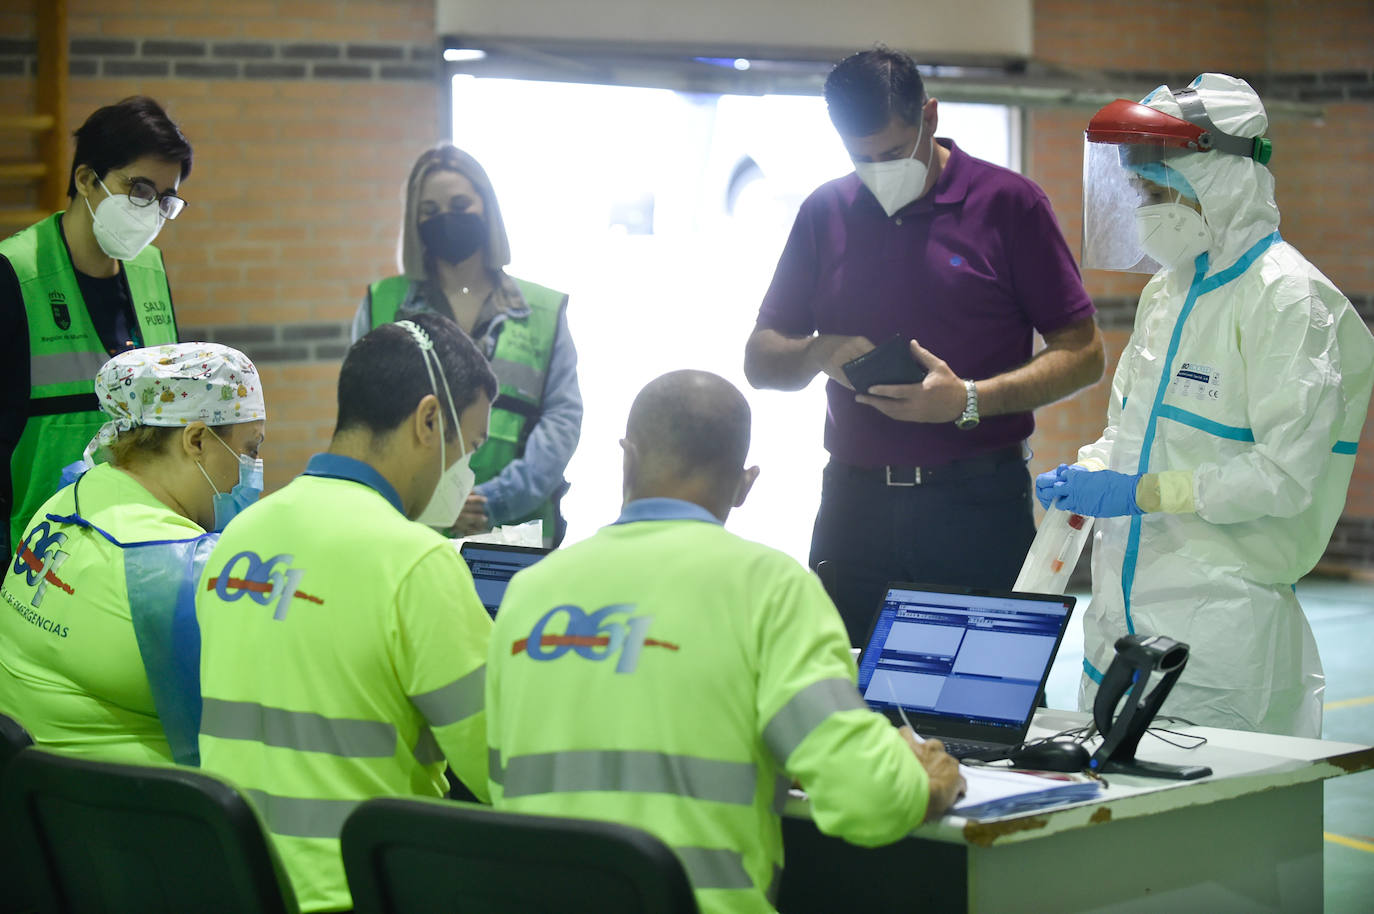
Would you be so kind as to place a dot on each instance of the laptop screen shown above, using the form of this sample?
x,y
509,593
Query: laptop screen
x,y
492,566
961,657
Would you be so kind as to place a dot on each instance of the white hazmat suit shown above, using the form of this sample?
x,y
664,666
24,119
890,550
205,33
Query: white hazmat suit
x,y
1244,385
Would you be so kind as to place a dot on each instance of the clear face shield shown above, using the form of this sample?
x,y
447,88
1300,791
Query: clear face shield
x,y
1117,181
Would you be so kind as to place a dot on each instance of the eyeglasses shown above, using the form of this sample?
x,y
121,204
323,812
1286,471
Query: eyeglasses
x,y
144,193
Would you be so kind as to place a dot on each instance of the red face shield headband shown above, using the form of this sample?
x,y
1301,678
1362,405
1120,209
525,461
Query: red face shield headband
x,y
1125,122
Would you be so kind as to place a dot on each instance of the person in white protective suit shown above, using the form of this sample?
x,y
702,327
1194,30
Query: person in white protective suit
x,y
1234,416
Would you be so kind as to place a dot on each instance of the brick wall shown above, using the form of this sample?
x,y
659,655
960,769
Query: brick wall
x,y
1318,52
305,118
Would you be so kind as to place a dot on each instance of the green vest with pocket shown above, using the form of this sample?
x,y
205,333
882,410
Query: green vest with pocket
x,y
524,348
65,353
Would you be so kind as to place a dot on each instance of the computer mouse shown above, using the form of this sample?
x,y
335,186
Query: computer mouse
x,y
1056,755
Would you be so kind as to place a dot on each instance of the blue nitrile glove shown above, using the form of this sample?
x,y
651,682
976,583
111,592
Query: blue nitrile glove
x,y
1047,481
1096,493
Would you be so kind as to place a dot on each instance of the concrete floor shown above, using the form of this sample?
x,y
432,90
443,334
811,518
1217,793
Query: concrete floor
x,y
1342,617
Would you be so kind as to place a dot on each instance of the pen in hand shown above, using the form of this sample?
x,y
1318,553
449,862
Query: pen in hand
x,y
902,711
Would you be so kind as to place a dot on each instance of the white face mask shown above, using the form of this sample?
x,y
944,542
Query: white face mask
x,y
451,493
455,482
896,183
1171,233
122,227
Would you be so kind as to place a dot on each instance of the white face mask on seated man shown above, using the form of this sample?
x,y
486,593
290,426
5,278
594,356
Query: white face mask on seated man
x,y
455,482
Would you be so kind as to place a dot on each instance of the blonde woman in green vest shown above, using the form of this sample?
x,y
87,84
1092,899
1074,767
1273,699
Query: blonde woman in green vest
x,y
453,253
79,287
101,649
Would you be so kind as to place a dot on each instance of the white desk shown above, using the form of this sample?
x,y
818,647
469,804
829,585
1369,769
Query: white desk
x,y
1246,839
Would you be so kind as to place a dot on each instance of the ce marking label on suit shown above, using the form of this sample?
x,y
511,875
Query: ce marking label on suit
x,y
1200,382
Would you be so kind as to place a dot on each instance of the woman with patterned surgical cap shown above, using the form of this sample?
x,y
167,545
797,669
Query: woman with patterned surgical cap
x,y
453,252
102,650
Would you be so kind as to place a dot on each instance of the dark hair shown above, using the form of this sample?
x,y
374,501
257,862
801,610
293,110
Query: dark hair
x,y
384,376
124,132
691,421
867,89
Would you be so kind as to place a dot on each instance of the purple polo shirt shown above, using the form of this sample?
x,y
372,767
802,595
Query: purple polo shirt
x,y
970,271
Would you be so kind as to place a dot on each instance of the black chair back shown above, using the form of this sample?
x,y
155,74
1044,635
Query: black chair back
x,y
14,891
414,856
13,737
99,838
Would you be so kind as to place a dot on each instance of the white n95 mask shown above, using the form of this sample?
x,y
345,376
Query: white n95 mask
x,y
455,482
122,227
1172,233
452,491
896,183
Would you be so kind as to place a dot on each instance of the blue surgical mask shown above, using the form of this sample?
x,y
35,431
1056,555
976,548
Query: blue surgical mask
x,y
229,504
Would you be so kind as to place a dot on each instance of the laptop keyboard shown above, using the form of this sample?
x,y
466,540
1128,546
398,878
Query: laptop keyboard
x,y
978,751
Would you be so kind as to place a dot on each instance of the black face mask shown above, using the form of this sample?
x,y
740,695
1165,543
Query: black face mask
x,y
453,237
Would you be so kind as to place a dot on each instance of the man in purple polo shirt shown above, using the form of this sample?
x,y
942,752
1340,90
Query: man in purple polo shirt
x,y
927,482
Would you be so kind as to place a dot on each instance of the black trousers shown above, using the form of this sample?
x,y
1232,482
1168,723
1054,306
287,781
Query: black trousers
x,y
970,525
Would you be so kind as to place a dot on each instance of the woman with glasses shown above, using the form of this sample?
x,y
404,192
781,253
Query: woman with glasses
x,y
454,252
78,287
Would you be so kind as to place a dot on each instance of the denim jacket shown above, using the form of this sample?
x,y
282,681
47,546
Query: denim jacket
x,y
526,481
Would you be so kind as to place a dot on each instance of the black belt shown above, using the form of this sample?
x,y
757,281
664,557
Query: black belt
x,y
908,476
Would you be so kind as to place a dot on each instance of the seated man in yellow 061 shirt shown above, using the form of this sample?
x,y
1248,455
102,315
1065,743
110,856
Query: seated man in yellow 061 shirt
x,y
344,646
669,675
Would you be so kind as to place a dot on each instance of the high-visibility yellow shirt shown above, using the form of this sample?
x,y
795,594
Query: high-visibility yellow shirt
x,y
71,670
343,657
669,675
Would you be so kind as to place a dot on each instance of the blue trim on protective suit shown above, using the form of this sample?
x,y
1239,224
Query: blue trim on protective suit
x,y
1092,671
1345,447
160,578
161,584
76,520
1202,284
1202,423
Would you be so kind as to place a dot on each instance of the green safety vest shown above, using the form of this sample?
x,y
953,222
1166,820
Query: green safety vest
x,y
521,363
672,676
90,663
65,353
343,654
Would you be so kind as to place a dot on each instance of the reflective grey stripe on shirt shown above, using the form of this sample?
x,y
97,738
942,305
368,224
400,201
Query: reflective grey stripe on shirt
x,y
65,367
300,730
807,710
298,817
781,790
427,750
714,868
461,698
523,378
494,765
634,772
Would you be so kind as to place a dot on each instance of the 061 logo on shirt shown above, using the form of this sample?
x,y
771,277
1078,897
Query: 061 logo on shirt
x,y
592,636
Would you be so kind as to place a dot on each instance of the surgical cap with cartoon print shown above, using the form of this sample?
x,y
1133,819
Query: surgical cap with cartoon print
x,y
176,385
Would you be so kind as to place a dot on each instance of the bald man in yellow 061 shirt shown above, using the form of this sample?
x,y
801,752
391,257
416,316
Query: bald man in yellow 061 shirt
x,y
669,675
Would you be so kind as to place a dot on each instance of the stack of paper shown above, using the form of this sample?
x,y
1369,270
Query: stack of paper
x,y
994,792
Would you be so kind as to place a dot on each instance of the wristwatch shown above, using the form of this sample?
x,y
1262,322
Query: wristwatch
x,y
969,418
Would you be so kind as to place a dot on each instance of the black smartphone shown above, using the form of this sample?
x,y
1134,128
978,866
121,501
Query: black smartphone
x,y
890,362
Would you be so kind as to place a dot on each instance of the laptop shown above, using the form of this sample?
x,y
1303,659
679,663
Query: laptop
x,y
967,666
493,565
